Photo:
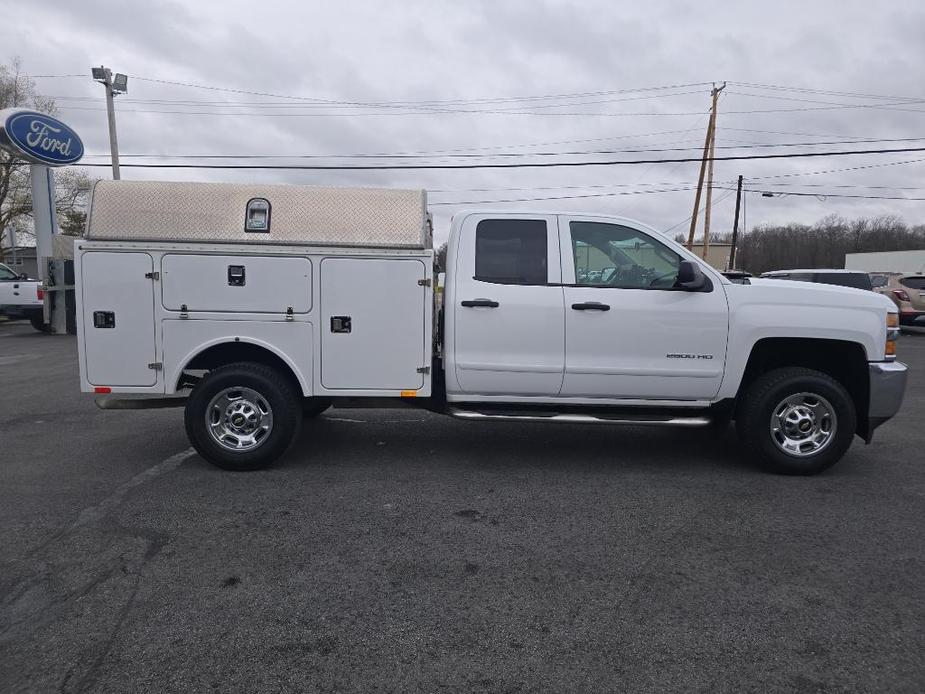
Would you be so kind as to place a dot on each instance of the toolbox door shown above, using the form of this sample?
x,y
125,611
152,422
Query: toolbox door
x,y
118,318
373,334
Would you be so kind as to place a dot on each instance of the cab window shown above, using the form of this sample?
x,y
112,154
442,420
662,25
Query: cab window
x,y
511,251
7,274
612,255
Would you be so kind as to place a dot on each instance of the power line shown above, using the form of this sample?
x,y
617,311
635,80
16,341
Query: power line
x,y
518,165
777,97
702,209
426,102
418,111
502,154
823,196
351,105
809,90
560,197
790,132
840,170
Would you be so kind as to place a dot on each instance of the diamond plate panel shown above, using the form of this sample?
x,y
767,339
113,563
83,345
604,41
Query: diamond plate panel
x,y
214,212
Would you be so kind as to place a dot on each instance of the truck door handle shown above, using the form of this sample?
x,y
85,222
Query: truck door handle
x,y
485,303
591,306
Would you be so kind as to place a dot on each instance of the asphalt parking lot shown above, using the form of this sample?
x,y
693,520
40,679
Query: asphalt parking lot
x,y
400,551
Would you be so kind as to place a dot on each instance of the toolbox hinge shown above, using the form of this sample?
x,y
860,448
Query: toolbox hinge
x,y
424,283
152,275
423,370
156,365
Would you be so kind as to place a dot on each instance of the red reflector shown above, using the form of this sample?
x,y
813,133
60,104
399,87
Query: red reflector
x,y
39,293
102,389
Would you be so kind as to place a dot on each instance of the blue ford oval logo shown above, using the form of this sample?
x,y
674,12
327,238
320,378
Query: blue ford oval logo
x,y
43,139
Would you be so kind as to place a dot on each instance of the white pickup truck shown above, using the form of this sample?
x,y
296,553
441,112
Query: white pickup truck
x,y
256,305
21,297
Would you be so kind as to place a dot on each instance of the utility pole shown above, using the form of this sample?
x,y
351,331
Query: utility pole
x,y
709,205
735,226
114,87
707,154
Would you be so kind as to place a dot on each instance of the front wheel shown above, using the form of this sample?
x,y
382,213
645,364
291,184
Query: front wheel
x,y
243,416
796,421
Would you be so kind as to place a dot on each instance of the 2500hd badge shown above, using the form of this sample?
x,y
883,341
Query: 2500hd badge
x,y
689,356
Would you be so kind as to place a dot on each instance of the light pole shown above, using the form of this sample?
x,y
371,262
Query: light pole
x,y
114,87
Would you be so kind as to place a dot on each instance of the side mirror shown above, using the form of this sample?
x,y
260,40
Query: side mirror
x,y
23,276
691,278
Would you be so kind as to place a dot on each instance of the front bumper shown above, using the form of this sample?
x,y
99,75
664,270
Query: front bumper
x,y
887,387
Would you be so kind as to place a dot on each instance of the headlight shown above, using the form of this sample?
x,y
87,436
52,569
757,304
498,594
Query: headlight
x,y
892,332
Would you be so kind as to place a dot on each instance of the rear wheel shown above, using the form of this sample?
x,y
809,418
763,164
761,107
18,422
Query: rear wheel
x,y
243,416
38,322
796,421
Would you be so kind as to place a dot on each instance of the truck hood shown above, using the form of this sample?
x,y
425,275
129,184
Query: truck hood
x,y
769,308
815,294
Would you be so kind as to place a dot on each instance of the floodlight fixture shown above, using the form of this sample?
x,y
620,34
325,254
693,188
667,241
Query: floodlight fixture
x,y
120,83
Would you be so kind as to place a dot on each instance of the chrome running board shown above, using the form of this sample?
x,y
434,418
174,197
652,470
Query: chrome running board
x,y
642,420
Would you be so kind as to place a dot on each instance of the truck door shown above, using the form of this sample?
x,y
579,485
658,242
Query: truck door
x,y
505,325
629,334
118,318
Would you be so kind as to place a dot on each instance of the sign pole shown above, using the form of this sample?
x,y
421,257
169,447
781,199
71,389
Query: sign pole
x,y
43,141
45,221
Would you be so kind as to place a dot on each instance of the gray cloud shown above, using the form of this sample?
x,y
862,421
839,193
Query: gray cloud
x,y
359,51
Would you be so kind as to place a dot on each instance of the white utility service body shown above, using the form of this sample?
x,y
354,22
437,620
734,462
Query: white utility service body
x,y
173,298
556,317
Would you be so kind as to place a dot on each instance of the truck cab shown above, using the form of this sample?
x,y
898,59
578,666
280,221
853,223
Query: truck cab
x,y
580,309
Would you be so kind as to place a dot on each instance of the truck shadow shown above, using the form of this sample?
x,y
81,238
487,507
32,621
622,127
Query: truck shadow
x,y
414,440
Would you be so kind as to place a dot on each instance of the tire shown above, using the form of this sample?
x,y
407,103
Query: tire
x,y
261,401
38,322
802,404
312,407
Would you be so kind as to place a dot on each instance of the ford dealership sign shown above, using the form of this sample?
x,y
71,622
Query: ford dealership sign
x,y
39,138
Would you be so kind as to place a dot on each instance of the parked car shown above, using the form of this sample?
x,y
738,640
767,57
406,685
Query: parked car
x,y
738,276
907,292
842,278
21,298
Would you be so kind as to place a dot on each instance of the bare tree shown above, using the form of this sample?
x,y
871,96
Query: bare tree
x,y
440,258
825,243
72,185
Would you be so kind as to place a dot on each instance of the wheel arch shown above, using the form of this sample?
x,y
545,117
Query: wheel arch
x,y
843,360
222,351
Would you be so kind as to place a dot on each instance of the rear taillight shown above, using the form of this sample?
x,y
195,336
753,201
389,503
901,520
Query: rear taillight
x,y
39,293
901,294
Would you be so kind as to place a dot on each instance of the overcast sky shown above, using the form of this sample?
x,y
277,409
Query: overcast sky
x,y
468,59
